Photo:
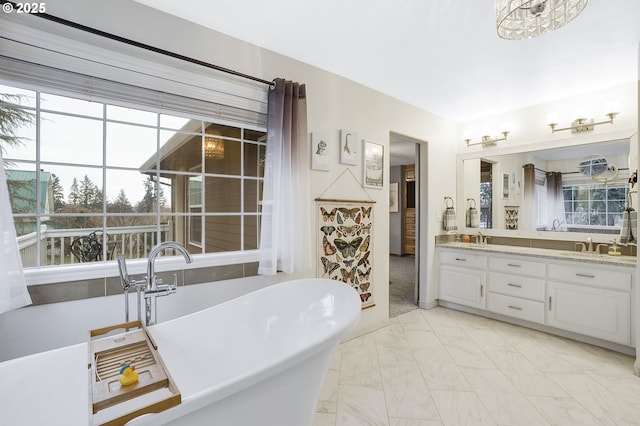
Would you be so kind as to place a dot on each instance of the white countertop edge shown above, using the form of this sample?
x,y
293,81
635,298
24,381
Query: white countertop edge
x,y
604,259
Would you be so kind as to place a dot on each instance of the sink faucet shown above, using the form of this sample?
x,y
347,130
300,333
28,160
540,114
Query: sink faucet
x,y
154,287
588,247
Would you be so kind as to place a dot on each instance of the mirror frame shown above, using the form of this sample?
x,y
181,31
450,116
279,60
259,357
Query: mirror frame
x,y
509,148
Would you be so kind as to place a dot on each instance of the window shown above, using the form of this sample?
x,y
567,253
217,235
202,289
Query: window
x,y
131,174
195,208
595,205
486,195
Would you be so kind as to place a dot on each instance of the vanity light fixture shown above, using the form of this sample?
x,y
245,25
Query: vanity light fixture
x,y
522,19
581,124
487,140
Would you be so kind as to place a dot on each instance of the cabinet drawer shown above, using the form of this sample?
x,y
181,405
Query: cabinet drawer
x,y
527,310
579,274
515,285
462,259
517,266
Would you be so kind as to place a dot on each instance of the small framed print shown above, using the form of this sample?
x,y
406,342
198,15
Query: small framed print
x,y
320,153
373,165
348,147
505,185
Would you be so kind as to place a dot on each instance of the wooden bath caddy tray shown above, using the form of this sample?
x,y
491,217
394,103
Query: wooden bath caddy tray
x,y
108,355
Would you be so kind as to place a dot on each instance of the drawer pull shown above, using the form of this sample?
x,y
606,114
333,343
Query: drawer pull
x,y
481,291
461,259
514,285
514,265
584,275
549,303
517,308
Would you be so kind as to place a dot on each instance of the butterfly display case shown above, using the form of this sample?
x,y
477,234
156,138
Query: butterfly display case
x,y
345,243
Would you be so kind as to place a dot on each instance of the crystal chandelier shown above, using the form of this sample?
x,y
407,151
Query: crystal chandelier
x,y
213,146
518,19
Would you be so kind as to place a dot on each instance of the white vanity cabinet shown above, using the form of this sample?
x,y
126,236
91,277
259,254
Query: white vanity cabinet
x,y
462,278
589,297
516,288
594,301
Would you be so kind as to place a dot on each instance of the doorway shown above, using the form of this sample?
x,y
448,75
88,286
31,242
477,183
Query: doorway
x,y
403,226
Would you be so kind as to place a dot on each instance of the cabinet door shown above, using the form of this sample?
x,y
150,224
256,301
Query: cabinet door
x,y
463,286
600,313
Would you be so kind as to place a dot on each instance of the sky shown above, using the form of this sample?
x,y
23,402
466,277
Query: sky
x,y
75,142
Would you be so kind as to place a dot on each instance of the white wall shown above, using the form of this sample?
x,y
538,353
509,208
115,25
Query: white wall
x,y
334,103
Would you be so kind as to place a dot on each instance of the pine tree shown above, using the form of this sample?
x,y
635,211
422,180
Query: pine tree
x,y
74,193
153,195
12,118
121,204
58,194
90,194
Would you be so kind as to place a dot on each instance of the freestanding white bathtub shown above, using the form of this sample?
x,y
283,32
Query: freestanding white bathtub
x,y
259,359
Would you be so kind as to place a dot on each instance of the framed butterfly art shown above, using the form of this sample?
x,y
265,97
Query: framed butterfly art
x,y
345,240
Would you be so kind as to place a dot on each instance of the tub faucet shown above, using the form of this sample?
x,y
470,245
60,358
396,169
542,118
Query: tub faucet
x,y
589,245
154,287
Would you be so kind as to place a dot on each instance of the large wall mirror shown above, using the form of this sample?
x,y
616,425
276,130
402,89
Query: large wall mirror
x,y
581,188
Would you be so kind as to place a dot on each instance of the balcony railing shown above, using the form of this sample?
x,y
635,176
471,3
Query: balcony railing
x,y
54,247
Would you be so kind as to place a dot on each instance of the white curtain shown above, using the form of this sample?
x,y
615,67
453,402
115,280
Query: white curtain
x,y
13,288
285,240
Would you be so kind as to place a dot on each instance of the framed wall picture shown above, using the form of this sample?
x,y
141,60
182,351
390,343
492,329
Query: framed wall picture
x,y
320,152
349,148
393,198
345,245
505,185
373,166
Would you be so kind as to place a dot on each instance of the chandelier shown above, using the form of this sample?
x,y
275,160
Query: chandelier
x,y
213,145
518,19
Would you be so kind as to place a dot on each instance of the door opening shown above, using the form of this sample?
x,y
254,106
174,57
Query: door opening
x,y
404,206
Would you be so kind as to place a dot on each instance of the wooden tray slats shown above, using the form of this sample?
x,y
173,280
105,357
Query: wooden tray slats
x,y
108,364
109,354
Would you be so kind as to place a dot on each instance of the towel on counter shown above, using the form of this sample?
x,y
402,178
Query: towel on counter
x,y
473,221
449,219
629,229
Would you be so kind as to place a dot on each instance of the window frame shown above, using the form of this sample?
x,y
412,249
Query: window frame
x,y
47,44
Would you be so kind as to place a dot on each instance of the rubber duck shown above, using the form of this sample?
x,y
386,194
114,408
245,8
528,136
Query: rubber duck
x,y
128,375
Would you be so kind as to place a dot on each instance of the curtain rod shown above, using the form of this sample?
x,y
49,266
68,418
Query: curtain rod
x,y
144,46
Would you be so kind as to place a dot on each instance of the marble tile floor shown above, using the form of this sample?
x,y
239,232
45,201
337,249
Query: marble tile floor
x,y
444,367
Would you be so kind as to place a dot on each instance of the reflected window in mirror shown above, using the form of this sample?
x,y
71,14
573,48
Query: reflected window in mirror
x,y
486,195
595,206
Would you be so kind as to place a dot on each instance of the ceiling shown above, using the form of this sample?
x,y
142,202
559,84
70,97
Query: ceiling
x,y
442,56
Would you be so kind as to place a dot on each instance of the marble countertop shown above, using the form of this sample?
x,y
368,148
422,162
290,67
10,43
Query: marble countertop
x,y
593,258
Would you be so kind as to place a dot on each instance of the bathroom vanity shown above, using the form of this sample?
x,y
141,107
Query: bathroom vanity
x,y
584,296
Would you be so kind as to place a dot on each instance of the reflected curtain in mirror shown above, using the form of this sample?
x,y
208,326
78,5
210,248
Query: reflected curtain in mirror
x,y
555,202
529,211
